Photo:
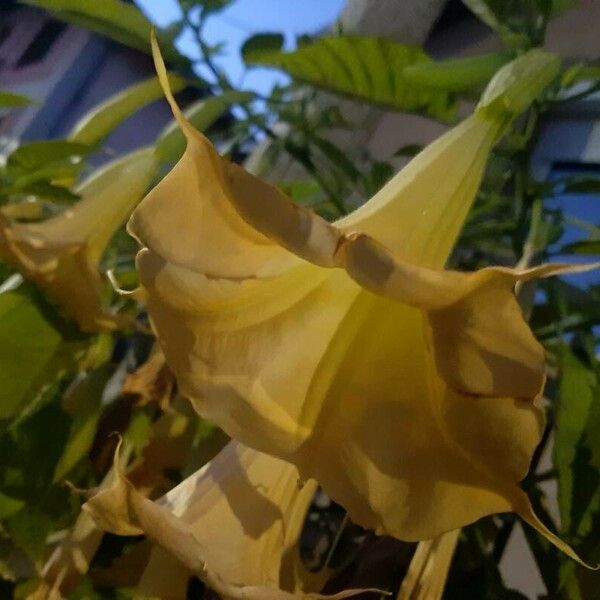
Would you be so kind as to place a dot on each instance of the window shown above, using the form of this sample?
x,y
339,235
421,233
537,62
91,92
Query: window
x,y
42,43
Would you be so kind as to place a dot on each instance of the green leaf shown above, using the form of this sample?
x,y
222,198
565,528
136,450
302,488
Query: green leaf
x,y
302,191
259,44
516,21
202,114
337,157
409,150
568,307
482,9
381,173
36,451
42,189
61,169
28,345
138,432
364,68
583,247
34,351
11,100
212,5
560,5
41,168
83,403
120,21
9,506
29,529
511,19
98,123
579,481
456,75
28,455
34,155
586,185
591,245
578,394
580,72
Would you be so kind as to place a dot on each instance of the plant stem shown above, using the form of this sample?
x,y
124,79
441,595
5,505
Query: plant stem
x,y
290,147
530,244
502,537
336,540
578,96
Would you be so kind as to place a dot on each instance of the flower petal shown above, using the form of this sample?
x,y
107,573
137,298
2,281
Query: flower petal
x,y
481,342
419,213
199,187
243,237
429,199
231,523
428,569
247,509
61,254
230,345
380,445
108,197
329,415
359,375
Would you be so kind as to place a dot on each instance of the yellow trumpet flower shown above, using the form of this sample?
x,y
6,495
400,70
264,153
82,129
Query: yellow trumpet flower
x,y
428,569
406,390
234,523
61,254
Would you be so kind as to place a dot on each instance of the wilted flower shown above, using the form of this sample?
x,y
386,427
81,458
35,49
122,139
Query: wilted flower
x,y
61,255
406,390
152,382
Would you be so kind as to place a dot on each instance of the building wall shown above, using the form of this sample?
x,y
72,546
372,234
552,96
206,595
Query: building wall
x,y
376,131
573,35
73,72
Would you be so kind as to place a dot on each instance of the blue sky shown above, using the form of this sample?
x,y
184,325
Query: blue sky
x,y
242,19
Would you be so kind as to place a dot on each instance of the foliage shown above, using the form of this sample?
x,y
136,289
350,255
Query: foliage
x,y
56,349
362,67
64,392
8,99
108,115
118,20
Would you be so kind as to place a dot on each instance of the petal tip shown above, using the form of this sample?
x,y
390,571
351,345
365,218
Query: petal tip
x,y
525,510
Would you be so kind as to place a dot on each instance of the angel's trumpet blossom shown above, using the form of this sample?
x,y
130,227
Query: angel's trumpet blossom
x,y
408,391
61,255
234,524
